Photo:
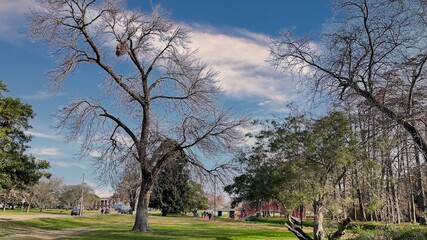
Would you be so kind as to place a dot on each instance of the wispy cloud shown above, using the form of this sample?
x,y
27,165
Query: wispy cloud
x,y
12,17
240,57
42,95
46,151
63,164
43,135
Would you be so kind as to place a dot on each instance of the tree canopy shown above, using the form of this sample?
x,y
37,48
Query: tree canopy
x,y
17,168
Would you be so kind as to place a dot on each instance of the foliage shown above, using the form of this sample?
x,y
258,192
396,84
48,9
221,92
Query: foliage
x,y
45,193
71,196
298,161
175,192
17,169
196,197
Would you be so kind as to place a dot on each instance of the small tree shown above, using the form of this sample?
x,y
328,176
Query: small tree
x,y
171,189
298,161
45,193
71,195
196,197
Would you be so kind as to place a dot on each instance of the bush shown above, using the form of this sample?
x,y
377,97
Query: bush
x,y
394,233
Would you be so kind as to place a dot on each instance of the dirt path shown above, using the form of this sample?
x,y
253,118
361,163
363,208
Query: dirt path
x,y
34,233
27,217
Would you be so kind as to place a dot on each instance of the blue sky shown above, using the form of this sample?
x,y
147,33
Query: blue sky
x,y
231,35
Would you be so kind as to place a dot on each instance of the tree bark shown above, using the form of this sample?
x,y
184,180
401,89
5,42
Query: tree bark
x,y
141,220
297,231
361,207
341,229
318,231
420,187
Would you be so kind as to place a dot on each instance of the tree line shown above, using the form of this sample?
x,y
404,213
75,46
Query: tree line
x,y
370,64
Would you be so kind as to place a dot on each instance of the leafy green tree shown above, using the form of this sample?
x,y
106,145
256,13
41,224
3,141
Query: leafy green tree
x,y
17,169
298,161
260,171
196,197
170,191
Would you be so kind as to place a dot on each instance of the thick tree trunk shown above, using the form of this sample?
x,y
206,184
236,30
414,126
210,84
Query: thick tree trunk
x,y
318,231
141,220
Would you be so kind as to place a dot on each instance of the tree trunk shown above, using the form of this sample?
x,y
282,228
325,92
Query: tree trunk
x,y
421,196
318,231
341,229
361,207
132,200
6,197
141,220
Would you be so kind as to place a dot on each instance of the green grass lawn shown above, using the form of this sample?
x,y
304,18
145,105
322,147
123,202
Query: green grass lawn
x,y
119,227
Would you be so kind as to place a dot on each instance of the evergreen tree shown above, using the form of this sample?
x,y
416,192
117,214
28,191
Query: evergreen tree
x,y
17,169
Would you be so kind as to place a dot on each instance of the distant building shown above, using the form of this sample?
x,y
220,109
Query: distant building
x,y
103,203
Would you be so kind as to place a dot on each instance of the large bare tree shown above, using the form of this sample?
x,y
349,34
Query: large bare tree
x,y
165,99
372,53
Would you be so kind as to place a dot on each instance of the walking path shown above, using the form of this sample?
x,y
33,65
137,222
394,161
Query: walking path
x,y
35,233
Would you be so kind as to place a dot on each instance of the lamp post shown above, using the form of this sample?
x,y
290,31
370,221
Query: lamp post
x,y
82,204
214,197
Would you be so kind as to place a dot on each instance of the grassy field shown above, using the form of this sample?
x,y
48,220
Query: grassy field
x,y
118,227
113,226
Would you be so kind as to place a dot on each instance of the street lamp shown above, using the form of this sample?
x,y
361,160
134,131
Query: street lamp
x,y
214,197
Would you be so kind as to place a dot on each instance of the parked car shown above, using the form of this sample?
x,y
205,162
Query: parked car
x,y
75,212
125,211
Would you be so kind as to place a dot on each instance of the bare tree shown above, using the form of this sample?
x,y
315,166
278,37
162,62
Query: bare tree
x,y
374,51
165,99
128,184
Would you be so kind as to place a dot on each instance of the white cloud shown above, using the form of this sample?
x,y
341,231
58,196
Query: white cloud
x,y
42,95
237,54
12,16
67,164
95,154
250,129
42,135
46,151
240,57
